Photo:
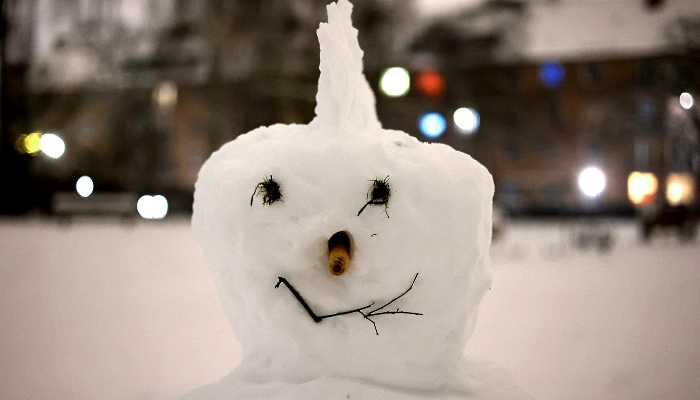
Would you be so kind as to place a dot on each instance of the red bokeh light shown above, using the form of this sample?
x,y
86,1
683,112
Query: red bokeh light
x,y
431,83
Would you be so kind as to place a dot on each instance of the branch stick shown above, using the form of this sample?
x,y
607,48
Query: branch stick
x,y
374,312
367,316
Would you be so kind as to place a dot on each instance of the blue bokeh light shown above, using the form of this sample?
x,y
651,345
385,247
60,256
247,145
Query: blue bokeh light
x,y
432,125
552,74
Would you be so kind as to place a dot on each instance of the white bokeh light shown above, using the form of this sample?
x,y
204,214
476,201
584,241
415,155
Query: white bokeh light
x,y
165,95
467,120
395,82
591,181
52,145
84,186
152,207
686,100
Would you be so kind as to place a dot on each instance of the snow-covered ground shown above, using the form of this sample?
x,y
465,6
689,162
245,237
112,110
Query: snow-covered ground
x,y
103,310
573,324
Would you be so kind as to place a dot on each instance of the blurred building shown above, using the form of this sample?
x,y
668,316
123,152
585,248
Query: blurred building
x,y
142,91
560,86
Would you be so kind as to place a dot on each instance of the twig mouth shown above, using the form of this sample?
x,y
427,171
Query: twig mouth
x,y
366,315
339,253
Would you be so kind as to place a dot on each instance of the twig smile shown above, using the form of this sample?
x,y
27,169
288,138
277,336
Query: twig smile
x,y
367,316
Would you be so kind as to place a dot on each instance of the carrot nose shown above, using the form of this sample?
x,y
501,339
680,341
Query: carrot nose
x,y
339,253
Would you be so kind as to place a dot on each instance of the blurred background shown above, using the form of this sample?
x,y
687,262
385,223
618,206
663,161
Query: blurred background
x,y
584,111
136,94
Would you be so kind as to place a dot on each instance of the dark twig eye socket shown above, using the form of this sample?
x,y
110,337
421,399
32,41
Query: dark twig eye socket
x,y
378,195
270,191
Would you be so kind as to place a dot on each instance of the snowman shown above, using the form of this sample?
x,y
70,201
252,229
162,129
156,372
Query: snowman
x,y
350,259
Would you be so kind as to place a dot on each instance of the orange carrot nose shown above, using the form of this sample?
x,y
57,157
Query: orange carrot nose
x,y
339,253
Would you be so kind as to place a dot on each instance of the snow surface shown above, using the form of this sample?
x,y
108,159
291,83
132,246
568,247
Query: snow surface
x,y
99,310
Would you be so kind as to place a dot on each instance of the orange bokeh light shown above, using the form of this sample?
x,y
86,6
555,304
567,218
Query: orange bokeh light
x,y
642,188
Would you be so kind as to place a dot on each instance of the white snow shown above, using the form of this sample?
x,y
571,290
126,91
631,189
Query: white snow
x,y
109,311
418,263
584,324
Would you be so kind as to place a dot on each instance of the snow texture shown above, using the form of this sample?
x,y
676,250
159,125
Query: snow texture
x,y
101,310
409,300
345,103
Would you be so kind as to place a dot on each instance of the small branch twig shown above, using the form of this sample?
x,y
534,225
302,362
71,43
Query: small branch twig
x,y
313,315
299,298
367,316
395,298
374,312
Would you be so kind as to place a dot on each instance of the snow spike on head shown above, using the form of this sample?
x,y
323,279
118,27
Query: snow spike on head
x,y
345,103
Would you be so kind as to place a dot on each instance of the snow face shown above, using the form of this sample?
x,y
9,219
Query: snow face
x,y
418,221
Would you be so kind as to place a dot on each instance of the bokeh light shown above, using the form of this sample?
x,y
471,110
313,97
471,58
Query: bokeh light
x,y
642,188
686,100
52,145
552,74
591,181
152,207
674,193
432,125
31,143
165,95
680,189
395,82
28,144
431,83
467,120
84,186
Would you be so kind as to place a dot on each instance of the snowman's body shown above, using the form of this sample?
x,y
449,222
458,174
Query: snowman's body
x,y
488,386
397,320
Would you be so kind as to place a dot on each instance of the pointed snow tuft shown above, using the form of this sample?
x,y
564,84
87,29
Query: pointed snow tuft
x,y
345,103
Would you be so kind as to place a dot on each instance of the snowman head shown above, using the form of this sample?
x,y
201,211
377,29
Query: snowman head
x,y
342,249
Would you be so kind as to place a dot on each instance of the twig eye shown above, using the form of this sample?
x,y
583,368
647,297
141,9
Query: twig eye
x,y
378,195
270,191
